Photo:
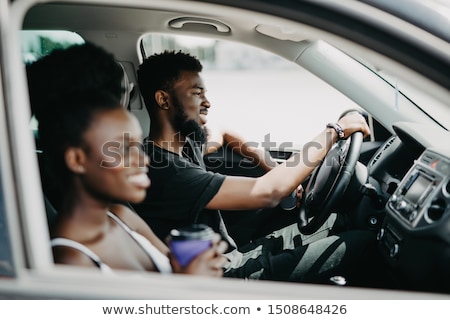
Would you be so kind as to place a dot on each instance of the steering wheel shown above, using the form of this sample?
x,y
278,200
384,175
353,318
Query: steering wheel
x,y
328,183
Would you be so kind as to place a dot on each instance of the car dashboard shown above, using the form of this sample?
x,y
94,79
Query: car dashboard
x,y
414,179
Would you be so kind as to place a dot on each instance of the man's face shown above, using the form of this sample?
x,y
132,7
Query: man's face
x,y
191,106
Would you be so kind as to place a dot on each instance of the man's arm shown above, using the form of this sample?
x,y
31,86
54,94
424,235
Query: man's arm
x,y
240,193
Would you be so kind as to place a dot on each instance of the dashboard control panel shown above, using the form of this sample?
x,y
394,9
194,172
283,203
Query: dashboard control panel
x,y
420,204
423,196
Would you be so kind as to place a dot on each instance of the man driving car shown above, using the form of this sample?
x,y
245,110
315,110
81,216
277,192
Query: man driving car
x,y
184,192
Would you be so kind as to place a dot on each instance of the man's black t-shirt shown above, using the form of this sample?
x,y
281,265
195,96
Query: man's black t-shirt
x,y
179,191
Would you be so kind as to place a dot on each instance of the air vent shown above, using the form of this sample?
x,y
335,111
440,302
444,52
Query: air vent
x,y
386,145
436,210
428,158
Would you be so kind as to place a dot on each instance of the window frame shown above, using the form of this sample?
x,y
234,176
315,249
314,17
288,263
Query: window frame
x,y
24,200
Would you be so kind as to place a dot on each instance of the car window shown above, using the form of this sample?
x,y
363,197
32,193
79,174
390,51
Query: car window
x,y
6,260
260,95
38,43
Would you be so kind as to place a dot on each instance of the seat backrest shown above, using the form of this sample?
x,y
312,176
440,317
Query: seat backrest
x,y
50,210
136,102
52,194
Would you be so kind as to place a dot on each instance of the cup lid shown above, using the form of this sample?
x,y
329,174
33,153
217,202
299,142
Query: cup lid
x,y
194,231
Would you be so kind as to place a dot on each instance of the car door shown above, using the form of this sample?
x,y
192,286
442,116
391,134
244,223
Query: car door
x,y
31,273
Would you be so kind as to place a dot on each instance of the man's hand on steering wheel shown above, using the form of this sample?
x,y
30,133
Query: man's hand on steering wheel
x,y
354,122
330,179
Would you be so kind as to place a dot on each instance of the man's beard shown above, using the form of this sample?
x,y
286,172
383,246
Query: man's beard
x,y
187,128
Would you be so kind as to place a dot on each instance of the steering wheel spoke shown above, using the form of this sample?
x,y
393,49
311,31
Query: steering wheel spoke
x,y
328,183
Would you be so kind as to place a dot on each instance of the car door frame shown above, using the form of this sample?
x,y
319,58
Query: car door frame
x,y
29,206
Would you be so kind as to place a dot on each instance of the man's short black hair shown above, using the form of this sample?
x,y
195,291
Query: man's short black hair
x,y
161,71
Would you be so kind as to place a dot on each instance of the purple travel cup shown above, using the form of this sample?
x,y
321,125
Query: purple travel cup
x,y
188,242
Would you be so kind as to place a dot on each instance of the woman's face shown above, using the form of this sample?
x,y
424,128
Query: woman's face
x,y
115,163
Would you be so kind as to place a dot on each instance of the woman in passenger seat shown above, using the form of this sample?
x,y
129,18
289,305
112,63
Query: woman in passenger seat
x,y
93,146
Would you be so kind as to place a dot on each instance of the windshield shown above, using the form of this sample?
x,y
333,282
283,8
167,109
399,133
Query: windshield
x,y
434,108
